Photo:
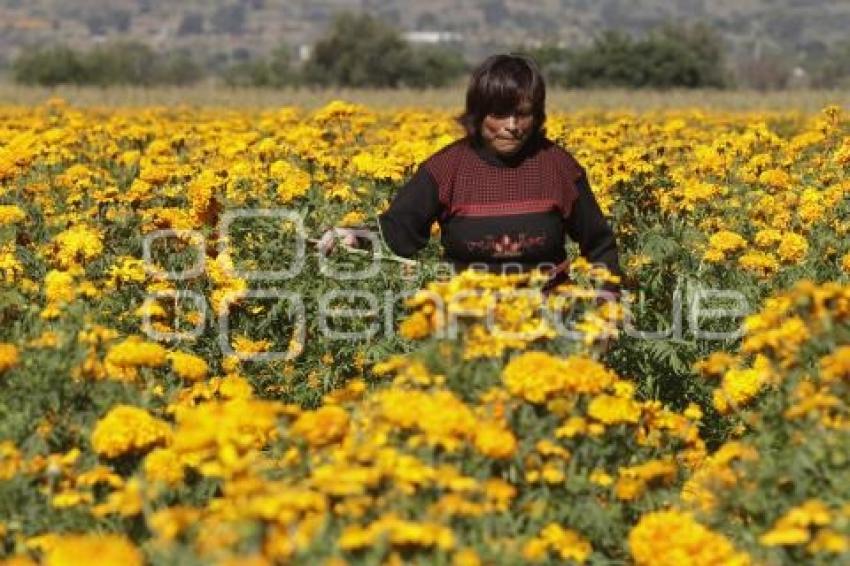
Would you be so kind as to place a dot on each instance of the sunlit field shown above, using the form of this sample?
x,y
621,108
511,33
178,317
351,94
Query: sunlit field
x,y
185,381
451,98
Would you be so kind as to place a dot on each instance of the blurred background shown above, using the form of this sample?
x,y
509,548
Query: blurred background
x,y
298,45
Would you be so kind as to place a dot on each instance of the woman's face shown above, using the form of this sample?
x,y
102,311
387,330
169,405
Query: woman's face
x,y
505,134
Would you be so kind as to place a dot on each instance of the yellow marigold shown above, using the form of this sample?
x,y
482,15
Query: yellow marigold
x,y
776,178
716,472
11,460
9,356
738,387
168,523
499,493
323,426
99,475
162,464
759,263
59,286
845,262
11,214
673,538
634,479
609,409
126,429
19,560
713,255
440,415
70,498
401,533
785,536
134,352
353,218
793,248
829,541
113,550
793,528
768,238
77,245
585,375
188,366
567,543
415,326
292,181
833,366
128,269
727,241
10,268
600,478
495,441
126,501
715,364
466,557
536,376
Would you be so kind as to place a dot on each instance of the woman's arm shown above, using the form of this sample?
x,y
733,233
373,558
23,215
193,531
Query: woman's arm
x,y
405,227
406,224
587,226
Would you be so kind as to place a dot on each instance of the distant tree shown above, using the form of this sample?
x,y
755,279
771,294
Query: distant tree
x,y
281,71
100,21
192,23
123,62
49,66
272,71
127,63
552,60
495,12
358,51
832,68
433,67
177,68
769,71
687,57
120,20
426,21
361,51
96,23
247,73
229,19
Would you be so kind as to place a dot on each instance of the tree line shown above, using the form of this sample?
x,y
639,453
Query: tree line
x,y
361,51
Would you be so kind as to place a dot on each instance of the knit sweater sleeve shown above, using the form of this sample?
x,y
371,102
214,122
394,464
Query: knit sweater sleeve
x,y
587,226
406,224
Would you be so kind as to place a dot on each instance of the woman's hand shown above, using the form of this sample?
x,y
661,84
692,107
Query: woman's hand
x,y
350,237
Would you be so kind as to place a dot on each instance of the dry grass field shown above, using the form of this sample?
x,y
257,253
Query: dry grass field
x,y
560,100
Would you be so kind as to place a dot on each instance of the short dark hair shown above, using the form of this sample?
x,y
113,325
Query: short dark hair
x,y
498,85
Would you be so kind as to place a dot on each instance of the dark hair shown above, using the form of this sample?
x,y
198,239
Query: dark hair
x,y
498,86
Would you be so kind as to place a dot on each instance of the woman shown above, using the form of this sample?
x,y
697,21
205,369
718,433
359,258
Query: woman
x,y
505,196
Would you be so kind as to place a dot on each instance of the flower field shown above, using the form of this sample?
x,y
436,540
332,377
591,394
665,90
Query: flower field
x,y
185,381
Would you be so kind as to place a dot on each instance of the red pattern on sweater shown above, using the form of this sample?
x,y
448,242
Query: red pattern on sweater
x,y
469,186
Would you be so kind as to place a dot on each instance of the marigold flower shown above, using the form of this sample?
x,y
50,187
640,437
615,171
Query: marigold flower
x,y
9,356
11,214
163,464
70,550
78,244
609,409
322,426
135,352
495,441
793,248
671,537
188,366
127,429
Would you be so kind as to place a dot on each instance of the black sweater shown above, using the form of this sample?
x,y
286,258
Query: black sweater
x,y
496,211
